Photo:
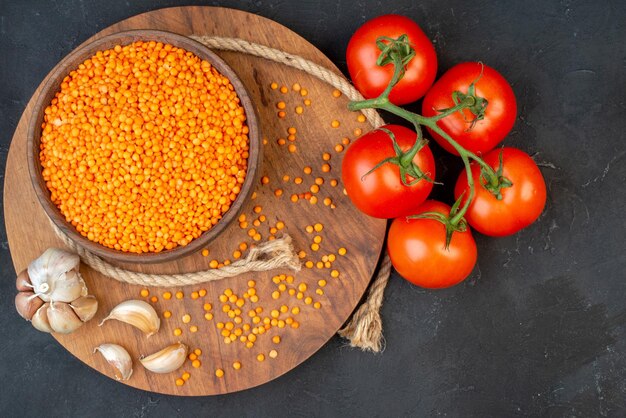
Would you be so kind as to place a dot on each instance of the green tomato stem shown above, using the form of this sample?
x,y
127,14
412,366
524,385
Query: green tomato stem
x,y
398,72
418,120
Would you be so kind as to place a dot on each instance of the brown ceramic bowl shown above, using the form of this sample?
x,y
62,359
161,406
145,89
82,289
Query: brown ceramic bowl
x,y
52,86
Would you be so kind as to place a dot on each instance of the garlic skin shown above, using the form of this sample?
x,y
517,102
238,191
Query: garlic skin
x,y
137,313
85,307
26,304
118,357
167,360
40,319
22,282
62,318
55,277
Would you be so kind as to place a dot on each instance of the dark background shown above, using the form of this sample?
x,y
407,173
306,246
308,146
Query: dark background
x,y
539,327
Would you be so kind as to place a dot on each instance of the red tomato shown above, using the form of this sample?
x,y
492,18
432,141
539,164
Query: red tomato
x,y
500,113
417,250
371,79
381,193
521,204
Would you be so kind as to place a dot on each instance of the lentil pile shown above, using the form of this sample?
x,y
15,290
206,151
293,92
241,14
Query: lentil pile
x,y
145,147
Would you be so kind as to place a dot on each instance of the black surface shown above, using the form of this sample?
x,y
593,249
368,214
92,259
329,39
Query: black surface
x,y
538,329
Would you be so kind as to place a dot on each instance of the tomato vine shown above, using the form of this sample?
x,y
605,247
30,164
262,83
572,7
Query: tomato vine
x,y
398,52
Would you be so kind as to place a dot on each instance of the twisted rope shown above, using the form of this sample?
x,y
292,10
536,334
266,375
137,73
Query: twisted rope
x,y
290,60
270,255
364,329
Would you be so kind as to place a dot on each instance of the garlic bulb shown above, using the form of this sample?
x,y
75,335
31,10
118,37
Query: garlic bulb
x,y
118,357
137,313
52,293
55,276
166,360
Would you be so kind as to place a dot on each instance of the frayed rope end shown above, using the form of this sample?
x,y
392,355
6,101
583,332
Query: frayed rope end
x,y
364,330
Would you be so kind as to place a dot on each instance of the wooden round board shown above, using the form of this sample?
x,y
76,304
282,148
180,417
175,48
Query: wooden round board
x,y
30,233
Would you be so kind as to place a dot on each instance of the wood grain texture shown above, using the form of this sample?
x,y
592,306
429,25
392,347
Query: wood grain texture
x,y
30,233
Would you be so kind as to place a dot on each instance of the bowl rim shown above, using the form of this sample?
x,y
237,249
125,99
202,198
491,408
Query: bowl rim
x,y
52,85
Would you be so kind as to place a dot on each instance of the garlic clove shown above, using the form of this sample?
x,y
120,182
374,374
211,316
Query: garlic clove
x,y
138,313
62,318
22,282
85,307
26,304
167,360
55,277
118,357
75,278
40,319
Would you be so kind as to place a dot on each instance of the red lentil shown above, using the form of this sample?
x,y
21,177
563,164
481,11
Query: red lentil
x,y
114,152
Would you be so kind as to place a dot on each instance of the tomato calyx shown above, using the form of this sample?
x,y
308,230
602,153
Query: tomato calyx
x,y
475,104
495,182
453,222
404,161
395,51
398,52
